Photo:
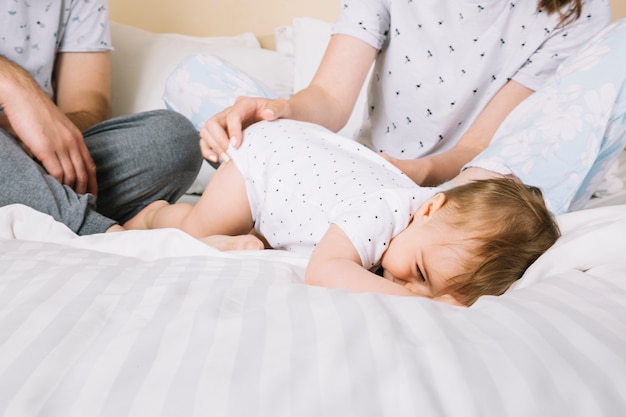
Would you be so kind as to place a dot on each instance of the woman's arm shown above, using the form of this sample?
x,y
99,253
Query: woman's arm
x,y
435,169
330,97
328,100
43,129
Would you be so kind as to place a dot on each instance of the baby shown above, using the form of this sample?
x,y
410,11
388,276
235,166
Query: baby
x,y
302,188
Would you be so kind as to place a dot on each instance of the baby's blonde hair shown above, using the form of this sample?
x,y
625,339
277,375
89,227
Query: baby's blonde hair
x,y
510,227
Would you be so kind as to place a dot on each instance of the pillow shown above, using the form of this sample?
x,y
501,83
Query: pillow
x,y
310,39
142,61
283,40
203,85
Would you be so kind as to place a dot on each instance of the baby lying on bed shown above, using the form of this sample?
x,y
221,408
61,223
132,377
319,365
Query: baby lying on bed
x,y
305,189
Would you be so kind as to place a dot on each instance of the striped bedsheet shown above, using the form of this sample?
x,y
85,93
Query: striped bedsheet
x,y
157,324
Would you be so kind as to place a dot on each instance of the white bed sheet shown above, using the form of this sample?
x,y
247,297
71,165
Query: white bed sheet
x,y
157,324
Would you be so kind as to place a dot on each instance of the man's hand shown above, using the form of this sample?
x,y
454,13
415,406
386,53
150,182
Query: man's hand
x,y
51,138
51,132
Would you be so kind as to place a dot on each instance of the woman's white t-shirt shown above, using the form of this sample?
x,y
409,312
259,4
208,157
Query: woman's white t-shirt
x,y
441,61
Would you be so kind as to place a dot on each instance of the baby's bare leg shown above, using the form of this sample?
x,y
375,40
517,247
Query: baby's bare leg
x,y
222,242
223,209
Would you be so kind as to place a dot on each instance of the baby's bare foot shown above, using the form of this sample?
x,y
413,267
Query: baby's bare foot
x,y
242,242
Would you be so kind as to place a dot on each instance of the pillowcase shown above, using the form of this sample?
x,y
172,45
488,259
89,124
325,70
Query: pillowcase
x,y
203,85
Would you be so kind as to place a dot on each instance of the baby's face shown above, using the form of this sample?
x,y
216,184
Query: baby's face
x,y
425,256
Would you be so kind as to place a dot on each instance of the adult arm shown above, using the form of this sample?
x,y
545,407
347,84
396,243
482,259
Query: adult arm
x,y
83,87
435,169
335,263
328,100
44,130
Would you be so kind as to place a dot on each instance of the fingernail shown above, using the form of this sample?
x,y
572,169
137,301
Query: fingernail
x,y
270,112
212,158
233,140
225,157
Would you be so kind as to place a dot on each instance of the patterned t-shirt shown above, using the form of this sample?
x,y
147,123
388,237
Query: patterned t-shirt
x,y
441,61
32,32
564,138
300,178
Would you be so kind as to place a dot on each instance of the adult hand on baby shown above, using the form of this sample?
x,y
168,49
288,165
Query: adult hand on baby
x,y
448,299
225,128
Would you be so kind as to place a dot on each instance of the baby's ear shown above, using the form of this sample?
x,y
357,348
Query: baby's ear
x,y
430,206
449,299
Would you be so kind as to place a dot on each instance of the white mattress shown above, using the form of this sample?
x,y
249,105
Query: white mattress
x,y
154,323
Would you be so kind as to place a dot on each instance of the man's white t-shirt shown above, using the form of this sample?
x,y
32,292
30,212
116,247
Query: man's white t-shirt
x,y
33,32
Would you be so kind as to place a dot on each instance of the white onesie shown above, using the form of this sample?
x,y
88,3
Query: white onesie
x,y
301,178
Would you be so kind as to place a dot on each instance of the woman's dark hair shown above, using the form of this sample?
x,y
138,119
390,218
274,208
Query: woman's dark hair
x,y
569,10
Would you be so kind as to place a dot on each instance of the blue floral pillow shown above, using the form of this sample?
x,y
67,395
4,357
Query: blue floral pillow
x,y
203,85
566,136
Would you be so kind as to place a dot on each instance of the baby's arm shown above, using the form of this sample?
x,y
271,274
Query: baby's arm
x,y
335,263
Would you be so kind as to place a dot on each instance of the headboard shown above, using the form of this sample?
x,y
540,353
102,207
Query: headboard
x,y
227,17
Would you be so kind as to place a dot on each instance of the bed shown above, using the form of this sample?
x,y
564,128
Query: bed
x,y
155,323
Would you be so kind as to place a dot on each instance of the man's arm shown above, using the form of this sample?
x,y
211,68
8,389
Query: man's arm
x,y
46,133
83,87
436,169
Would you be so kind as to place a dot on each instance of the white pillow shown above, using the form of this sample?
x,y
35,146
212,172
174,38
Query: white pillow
x,y
310,38
142,61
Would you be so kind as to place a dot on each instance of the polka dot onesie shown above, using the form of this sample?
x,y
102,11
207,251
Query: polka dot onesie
x,y
300,178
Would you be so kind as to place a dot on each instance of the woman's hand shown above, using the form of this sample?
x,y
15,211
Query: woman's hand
x,y
226,127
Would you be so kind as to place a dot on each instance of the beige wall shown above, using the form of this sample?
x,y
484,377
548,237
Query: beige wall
x,y
619,8
219,17
230,17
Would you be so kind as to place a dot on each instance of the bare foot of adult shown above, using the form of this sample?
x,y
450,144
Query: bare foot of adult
x,y
241,242
140,221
